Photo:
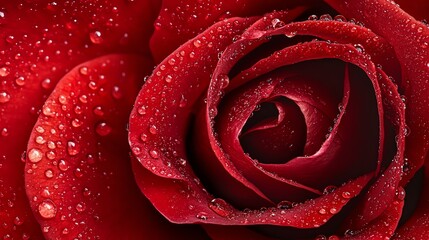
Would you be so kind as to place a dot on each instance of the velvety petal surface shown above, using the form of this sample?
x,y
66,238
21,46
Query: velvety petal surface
x,y
40,42
78,172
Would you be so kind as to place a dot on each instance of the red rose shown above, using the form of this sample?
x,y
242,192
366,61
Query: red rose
x,y
265,120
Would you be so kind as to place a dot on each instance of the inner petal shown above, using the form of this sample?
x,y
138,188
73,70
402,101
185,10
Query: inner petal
x,y
275,133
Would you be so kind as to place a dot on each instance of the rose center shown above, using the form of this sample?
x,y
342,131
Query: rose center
x,y
275,133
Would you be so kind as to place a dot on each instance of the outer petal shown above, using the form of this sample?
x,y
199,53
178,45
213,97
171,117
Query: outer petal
x,y
79,177
40,42
181,20
410,39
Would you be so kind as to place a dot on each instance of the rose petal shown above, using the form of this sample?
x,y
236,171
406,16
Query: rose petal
x,y
78,174
419,9
180,21
382,227
410,39
41,41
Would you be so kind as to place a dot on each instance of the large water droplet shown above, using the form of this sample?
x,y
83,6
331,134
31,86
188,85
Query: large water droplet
x,y
400,194
220,207
47,209
35,155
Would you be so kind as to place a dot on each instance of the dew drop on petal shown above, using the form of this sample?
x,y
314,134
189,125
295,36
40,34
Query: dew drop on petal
x,y
400,194
47,209
72,148
80,207
284,204
201,215
346,195
35,155
4,97
220,207
96,37
154,154
63,165
153,130
49,173
83,70
103,129
4,71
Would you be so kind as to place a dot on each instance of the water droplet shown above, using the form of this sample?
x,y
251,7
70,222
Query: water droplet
x,y
326,17
49,173
284,205
116,92
183,102
220,207
47,111
80,207
322,211
223,81
276,23
96,37
340,18
86,192
72,148
400,194
20,81
359,48
346,195
334,237
98,111
4,132
103,129
83,98
18,221
50,155
4,97
40,129
63,165
143,137
46,83
92,85
154,154
35,155
153,130
76,123
329,189
168,78
320,237
290,34
312,17
40,140
333,210
4,71
78,172
197,43
47,209
171,61
201,215
136,150
142,110
62,99
65,231
83,70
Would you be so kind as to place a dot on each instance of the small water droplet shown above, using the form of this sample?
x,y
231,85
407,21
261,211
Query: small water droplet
x,y
98,111
154,154
35,155
223,81
96,37
80,207
20,81
86,192
49,173
83,70
346,195
322,211
290,34
18,221
183,102
201,215
72,148
50,155
40,140
312,17
326,17
168,78
220,207
4,71
142,110
65,231
197,43
116,92
46,83
47,209
103,129
284,204
76,123
171,61
4,97
400,194
78,172
143,137
329,189
4,132
359,48
136,150
63,165
340,18
333,210
153,130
